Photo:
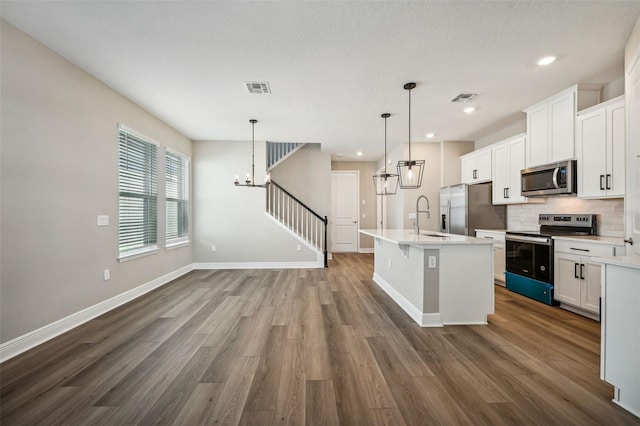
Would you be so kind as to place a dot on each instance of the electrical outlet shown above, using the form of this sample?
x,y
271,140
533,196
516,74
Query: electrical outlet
x,y
432,262
107,275
412,216
102,220
364,216
299,247
364,202
214,248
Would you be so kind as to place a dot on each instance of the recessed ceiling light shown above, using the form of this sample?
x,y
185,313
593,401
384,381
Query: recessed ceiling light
x,y
546,60
469,110
339,155
430,135
359,153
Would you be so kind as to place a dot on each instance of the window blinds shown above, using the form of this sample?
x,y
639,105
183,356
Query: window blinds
x,y
177,197
138,185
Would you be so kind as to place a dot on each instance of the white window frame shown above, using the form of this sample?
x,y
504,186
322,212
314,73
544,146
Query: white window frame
x,y
183,240
131,254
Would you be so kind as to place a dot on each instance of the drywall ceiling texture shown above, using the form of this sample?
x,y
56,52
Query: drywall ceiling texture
x,y
334,67
59,170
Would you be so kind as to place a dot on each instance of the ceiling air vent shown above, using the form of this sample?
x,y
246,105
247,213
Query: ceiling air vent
x,y
257,87
464,97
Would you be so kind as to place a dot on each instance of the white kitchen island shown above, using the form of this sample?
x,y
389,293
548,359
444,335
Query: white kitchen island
x,y
436,278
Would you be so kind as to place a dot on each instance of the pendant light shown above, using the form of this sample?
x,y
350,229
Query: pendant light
x,y
250,178
410,171
385,183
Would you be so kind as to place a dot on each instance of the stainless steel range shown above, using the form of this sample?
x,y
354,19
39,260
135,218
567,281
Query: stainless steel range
x,y
529,254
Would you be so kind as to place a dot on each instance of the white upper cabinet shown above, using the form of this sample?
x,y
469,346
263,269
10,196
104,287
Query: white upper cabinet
x,y
551,125
476,166
600,150
508,160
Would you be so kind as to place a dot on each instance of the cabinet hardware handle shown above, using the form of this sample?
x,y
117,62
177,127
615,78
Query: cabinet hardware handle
x,y
504,193
575,270
582,271
608,180
629,240
601,182
475,174
579,249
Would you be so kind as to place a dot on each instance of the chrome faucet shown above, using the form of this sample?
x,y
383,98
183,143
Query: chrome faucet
x,y
418,211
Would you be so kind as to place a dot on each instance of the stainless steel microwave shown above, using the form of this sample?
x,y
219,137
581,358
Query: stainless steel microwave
x,y
550,179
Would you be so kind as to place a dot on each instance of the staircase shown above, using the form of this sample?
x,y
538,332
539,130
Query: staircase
x,y
277,152
298,218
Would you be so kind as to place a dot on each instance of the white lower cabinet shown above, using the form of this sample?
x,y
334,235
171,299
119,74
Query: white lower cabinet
x,y
498,252
577,278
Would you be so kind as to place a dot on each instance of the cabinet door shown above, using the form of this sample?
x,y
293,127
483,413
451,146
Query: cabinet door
x,y
484,166
538,133
562,116
591,140
467,166
591,286
498,261
501,174
516,164
616,156
567,279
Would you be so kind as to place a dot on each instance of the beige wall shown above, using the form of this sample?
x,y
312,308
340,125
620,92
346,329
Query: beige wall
x,y
59,170
307,175
233,218
404,202
368,213
450,153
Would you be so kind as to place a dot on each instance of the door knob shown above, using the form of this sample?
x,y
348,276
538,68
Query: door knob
x,y
355,221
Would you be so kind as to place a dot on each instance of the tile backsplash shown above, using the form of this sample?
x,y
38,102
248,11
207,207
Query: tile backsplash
x,y
610,213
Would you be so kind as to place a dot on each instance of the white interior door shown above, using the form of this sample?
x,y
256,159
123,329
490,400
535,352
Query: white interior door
x,y
345,210
633,158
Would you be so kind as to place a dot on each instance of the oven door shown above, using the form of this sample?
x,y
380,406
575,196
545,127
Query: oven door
x,y
530,256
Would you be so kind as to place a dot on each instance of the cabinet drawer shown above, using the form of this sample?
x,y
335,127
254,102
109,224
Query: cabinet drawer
x,y
492,235
584,248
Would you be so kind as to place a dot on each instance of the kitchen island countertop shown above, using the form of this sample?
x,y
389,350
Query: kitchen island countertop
x,y
406,236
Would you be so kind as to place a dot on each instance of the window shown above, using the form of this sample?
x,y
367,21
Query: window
x,y
138,186
177,194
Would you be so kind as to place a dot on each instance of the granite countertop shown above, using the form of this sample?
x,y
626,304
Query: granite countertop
x,y
406,236
616,241
632,262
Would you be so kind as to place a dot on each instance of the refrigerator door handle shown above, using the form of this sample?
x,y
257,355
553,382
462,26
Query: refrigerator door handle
x,y
449,216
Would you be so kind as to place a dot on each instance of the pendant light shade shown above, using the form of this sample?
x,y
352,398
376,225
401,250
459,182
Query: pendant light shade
x,y
410,171
250,179
385,183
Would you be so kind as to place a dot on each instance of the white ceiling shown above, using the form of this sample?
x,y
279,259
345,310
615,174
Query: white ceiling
x,y
333,67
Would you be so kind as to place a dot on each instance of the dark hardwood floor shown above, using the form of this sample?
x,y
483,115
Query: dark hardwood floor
x,y
309,347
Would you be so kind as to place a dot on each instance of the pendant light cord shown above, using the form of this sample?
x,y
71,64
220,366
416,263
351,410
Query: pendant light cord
x,y
253,154
385,146
409,127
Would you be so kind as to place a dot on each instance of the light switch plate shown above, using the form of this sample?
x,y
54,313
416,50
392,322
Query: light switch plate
x,y
432,262
103,220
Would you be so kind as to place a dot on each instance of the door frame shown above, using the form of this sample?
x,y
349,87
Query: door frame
x,y
331,221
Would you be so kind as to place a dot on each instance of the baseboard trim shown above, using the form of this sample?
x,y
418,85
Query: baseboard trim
x,y
258,265
422,319
365,250
37,337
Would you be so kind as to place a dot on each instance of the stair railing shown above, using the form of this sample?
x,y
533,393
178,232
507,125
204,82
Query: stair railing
x,y
298,217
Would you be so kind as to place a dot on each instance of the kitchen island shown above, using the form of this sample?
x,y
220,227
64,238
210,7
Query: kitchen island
x,y
620,336
436,278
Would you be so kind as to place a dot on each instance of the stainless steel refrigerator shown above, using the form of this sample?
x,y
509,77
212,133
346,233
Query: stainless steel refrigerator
x,y
465,208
